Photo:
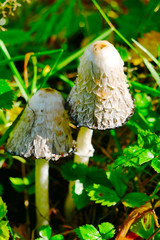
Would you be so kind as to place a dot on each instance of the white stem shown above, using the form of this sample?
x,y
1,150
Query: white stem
x,y
42,192
84,151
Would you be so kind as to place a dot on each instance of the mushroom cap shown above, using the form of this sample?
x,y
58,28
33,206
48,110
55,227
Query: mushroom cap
x,y
43,129
100,98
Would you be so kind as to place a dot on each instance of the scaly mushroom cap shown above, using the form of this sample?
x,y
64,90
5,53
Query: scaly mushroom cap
x,y
43,129
100,98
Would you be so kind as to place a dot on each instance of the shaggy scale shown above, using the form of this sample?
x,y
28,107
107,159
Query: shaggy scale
x,y
43,130
100,98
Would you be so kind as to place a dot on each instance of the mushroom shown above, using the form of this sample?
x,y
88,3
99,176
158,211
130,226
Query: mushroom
x,y
100,99
42,132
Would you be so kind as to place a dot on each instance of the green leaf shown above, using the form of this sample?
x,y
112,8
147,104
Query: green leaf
x,y
155,164
107,230
88,232
57,237
96,175
103,195
148,149
73,171
3,209
6,95
79,195
4,230
45,232
135,199
134,156
4,86
144,227
149,140
17,184
118,178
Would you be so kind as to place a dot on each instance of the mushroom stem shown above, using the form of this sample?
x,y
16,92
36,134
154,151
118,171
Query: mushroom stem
x,y
84,151
42,192
84,146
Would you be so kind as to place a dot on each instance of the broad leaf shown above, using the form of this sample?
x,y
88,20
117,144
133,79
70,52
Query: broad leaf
x,y
103,195
134,156
155,164
80,196
74,171
4,231
98,176
3,209
118,178
57,237
149,140
45,232
144,227
107,230
88,232
135,199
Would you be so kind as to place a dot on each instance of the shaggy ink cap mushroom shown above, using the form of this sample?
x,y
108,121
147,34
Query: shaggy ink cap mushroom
x,y
43,129
100,98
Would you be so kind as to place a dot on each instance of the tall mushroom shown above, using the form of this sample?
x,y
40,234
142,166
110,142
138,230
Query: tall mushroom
x,y
42,132
100,99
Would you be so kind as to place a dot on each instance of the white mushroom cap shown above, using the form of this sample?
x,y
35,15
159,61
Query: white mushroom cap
x,y
100,98
43,129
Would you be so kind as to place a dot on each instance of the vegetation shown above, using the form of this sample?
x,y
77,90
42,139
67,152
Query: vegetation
x,y
40,46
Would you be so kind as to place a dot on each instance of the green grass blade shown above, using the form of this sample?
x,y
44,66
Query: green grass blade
x,y
13,59
152,71
113,27
147,52
51,72
34,81
44,16
146,89
15,72
38,54
148,65
65,79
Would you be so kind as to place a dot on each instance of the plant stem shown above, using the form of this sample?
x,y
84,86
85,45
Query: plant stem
x,y
42,192
84,151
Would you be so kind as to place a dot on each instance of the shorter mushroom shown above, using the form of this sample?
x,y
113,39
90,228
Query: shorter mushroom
x,y
42,132
100,99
